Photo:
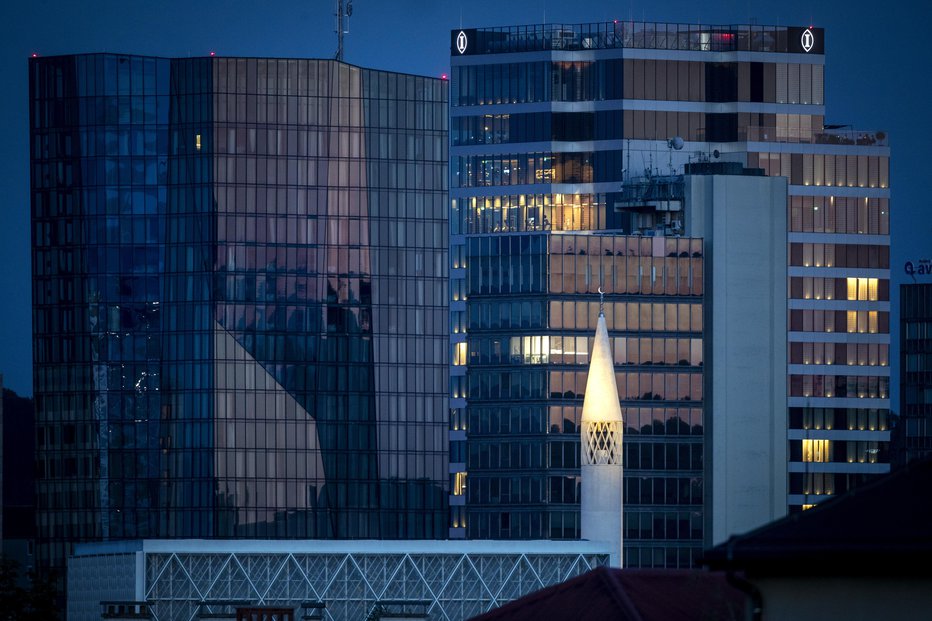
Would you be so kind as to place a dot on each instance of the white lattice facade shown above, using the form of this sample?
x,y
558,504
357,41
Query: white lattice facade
x,y
602,443
451,579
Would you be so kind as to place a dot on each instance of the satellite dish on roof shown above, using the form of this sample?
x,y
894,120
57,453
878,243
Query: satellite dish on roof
x,y
675,143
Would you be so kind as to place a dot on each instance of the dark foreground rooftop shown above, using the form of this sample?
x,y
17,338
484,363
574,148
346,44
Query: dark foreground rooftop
x,y
881,528
629,595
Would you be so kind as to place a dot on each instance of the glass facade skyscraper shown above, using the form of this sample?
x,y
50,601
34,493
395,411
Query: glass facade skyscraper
x,y
532,305
240,290
913,431
536,170
548,121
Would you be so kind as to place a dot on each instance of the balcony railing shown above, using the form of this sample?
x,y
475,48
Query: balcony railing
x,y
813,136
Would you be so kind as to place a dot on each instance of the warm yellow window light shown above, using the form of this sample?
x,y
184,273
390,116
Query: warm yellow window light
x,y
816,451
459,354
459,484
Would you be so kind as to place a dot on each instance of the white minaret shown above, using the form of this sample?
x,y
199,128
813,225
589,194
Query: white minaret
x,y
601,466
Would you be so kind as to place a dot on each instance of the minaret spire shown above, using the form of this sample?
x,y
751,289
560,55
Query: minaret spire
x,y
601,441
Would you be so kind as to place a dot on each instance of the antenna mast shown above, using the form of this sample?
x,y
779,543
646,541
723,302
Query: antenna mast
x,y
342,29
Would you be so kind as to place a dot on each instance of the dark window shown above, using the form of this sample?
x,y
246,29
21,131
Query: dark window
x,y
721,82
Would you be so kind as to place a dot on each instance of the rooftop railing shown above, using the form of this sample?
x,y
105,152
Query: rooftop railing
x,y
813,136
633,34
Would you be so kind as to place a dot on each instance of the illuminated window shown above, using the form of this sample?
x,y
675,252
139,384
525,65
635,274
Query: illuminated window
x,y
862,289
872,322
532,349
852,320
459,354
197,142
816,451
805,507
459,484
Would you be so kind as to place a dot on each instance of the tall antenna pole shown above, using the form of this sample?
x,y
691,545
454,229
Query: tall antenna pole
x,y
339,55
342,29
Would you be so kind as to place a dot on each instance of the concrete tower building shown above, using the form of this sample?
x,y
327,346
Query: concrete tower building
x,y
601,435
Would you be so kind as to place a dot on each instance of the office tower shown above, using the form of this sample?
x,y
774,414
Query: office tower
x,y
914,428
532,309
240,290
564,115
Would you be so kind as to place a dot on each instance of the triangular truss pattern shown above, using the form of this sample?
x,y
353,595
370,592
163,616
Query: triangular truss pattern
x,y
495,570
521,580
452,586
350,590
262,569
407,583
290,585
553,568
378,569
232,583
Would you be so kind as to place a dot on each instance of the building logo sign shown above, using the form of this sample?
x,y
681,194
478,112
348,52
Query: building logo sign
x,y
807,40
922,267
463,42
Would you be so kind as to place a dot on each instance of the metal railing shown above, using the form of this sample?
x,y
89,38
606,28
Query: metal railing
x,y
633,34
813,136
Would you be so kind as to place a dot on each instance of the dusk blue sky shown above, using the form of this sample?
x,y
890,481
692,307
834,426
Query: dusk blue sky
x,y
877,77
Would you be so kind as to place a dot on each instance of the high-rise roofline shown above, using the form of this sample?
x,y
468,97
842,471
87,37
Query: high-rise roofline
x,y
40,58
639,35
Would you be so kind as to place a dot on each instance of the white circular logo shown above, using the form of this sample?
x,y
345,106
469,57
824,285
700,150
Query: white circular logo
x,y
461,42
807,40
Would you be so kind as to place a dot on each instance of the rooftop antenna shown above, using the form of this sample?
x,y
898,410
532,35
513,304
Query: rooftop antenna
x,y
342,29
675,143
